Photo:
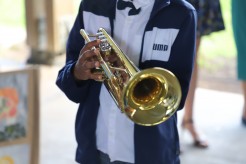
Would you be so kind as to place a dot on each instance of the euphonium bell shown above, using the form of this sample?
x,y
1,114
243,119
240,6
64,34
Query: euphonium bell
x,y
148,97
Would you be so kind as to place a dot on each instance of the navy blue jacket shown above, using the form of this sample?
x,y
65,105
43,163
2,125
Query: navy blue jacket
x,y
156,144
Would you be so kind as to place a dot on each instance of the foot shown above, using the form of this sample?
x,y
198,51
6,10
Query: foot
x,y
244,117
244,121
200,144
188,124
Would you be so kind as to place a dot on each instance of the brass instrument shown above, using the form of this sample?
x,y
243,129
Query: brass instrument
x,y
148,97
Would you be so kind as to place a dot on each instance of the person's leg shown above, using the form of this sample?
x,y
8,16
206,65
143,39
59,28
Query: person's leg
x,y
188,114
244,106
187,122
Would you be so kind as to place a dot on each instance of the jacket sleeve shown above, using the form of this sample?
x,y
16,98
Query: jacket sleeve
x,y
74,90
184,52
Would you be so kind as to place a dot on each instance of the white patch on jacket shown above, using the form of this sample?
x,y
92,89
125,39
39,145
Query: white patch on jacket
x,y
93,22
158,44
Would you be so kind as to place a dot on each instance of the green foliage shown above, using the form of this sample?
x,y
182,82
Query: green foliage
x,y
220,43
12,13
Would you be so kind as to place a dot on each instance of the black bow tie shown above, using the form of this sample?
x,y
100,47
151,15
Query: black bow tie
x,y
121,5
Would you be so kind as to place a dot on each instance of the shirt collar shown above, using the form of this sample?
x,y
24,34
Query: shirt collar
x,y
140,3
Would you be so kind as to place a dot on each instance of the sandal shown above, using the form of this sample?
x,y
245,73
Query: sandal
x,y
188,125
244,121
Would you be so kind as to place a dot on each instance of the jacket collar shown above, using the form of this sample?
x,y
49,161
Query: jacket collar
x,y
159,4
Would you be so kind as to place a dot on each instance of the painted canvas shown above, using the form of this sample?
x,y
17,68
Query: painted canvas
x,y
15,154
13,107
19,116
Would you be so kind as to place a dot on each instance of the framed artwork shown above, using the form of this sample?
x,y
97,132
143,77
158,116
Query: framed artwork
x,y
19,116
